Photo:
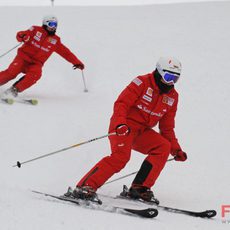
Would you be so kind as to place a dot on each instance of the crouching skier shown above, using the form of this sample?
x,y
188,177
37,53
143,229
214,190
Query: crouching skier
x,y
148,100
39,42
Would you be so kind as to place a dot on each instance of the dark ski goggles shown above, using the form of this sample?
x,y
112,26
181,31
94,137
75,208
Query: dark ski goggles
x,y
169,78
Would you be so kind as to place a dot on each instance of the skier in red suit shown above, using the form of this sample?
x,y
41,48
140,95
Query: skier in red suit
x,y
39,42
148,100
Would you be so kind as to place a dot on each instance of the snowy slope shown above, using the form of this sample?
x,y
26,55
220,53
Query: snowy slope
x,y
117,44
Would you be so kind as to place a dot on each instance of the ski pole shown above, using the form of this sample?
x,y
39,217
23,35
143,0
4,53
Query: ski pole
x,y
83,78
10,50
130,174
19,164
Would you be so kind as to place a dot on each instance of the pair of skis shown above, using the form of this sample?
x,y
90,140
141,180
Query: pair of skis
x,y
11,101
145,213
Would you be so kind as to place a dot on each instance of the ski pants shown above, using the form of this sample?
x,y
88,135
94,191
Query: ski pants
x,y
146,141
32,71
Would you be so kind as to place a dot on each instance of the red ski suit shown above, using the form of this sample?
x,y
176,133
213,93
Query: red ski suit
x,y
141,107
32,55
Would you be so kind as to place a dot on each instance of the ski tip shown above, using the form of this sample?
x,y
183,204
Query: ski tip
x,y
34,101
9,101
210,213
152,212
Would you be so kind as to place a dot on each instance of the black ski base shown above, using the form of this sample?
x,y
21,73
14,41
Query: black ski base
x,y
202,214
146,213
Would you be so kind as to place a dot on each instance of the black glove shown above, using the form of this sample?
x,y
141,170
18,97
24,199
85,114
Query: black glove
x,y
79,66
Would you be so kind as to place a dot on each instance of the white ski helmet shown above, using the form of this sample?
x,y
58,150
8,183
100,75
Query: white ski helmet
x,y
50,22
169,68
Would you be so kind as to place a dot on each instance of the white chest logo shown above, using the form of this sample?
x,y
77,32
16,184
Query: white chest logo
x,y
38,36
147,98
149,92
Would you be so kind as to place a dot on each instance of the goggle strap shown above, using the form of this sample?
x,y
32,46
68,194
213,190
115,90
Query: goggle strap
x,y
165,70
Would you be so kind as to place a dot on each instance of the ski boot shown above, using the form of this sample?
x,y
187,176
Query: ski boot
x,y
141,193
9,95
86,193
12,92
